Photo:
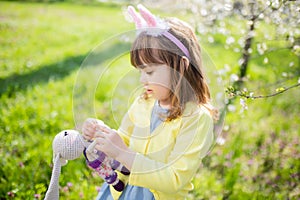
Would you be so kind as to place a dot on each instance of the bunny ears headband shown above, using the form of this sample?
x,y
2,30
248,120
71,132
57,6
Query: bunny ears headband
x,y
145,19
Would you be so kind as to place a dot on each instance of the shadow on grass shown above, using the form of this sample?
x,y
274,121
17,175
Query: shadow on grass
x,y
56,71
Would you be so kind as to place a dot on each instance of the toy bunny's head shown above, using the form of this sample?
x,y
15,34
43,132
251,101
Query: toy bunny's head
x,y
69,145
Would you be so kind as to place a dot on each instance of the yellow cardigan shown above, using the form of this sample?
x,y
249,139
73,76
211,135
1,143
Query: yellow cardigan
x,y
169,157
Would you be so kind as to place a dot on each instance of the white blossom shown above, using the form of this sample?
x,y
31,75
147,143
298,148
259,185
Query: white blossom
x,y
220,141
243,104
210,39
284,74
230,40
250,50
231,108
226,128
236,50
234,78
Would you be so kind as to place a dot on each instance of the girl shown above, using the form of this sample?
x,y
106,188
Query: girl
x,y
169,128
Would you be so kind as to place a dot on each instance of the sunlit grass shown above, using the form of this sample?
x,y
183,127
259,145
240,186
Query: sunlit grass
x,y
42,48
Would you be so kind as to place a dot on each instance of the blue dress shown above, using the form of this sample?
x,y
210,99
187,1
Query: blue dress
x,y
135,192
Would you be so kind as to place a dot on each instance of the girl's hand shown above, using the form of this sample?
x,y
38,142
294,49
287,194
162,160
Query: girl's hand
x,y
109,142
90,127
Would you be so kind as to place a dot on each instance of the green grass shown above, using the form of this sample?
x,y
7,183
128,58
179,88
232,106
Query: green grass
x,y
42,49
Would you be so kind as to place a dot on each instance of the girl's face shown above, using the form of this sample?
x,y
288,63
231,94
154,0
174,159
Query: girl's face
x,y
156,81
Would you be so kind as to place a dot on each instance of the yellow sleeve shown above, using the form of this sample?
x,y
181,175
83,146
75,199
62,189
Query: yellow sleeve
x,y
192,144
127,125
125,129
129,120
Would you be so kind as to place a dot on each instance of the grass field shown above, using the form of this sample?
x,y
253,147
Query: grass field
x,y
42,48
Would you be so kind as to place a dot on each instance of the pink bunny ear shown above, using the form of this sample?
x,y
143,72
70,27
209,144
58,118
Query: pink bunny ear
x,y
137,18
147,15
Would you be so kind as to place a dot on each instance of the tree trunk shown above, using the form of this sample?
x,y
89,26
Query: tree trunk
x,y
246,53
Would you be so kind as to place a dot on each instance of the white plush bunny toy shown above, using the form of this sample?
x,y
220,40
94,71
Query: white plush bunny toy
x,y
67,145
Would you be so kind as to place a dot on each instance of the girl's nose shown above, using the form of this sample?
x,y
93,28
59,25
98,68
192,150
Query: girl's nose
x,y
143,78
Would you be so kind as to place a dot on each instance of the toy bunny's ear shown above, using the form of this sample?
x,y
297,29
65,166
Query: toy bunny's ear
x,y
53,189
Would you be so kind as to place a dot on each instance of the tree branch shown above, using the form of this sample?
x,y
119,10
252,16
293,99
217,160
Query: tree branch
x,y
271,95
255,17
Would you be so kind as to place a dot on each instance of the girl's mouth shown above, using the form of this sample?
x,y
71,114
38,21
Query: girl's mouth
x,y
149,91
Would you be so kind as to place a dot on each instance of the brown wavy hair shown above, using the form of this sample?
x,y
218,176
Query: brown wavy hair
x,y
187,79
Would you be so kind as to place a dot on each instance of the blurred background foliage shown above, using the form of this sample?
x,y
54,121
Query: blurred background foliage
x,y
45,43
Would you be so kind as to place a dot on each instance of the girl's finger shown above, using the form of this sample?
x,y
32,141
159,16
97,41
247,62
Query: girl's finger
x,y
100,140
98,147
107,130
99,134
99,144
89,129
101,128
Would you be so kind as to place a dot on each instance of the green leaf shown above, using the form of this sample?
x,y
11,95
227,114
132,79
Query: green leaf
x,y
281,89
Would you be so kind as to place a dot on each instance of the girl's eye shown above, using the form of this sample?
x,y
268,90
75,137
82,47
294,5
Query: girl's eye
x,y
149,73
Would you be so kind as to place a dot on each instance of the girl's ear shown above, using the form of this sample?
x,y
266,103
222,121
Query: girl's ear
x,y
186,62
